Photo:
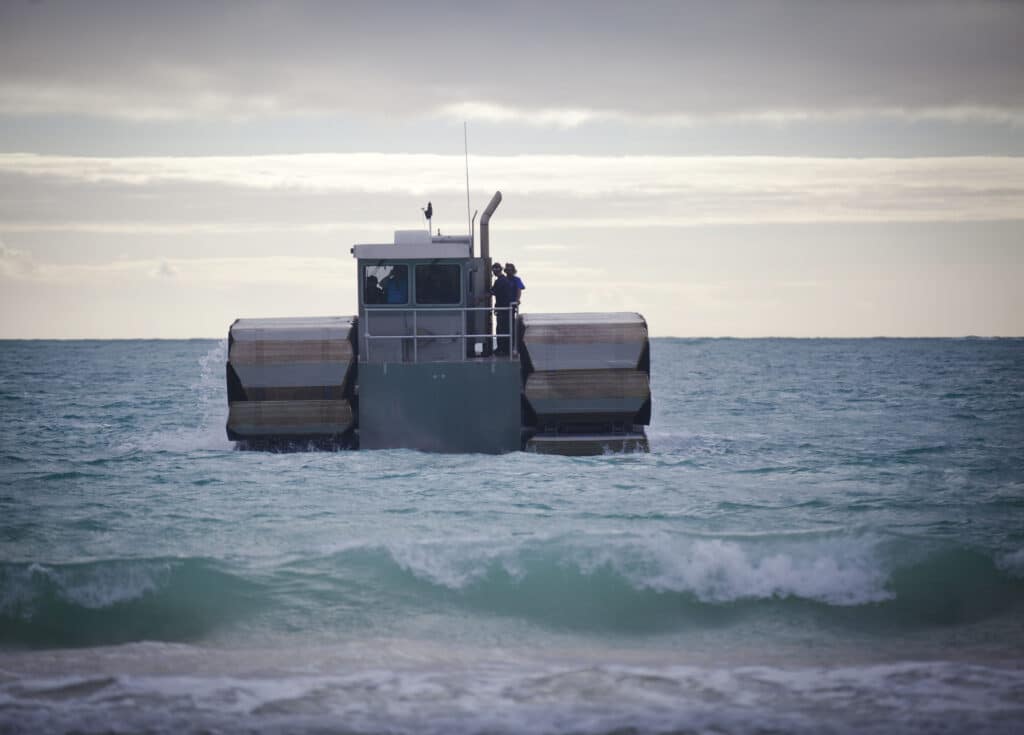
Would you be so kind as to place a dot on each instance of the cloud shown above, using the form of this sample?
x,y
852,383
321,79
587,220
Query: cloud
x,y
545,63
348,192
550,247
487,112
497,113
165,270
140,105
142,227
290,270
16,263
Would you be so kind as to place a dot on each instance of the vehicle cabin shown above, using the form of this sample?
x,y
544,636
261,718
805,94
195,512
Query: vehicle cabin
x,y
422,298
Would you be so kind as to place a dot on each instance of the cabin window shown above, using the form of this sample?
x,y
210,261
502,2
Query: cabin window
x,y
386,284
438,284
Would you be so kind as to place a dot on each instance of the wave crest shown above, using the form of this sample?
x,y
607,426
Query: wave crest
x,y
119,600
835,571
92,585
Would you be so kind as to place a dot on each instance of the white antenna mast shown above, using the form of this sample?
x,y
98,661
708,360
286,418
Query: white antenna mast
x,y
465,145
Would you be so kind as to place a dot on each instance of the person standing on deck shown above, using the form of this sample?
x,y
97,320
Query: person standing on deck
x,y
516,281
504,292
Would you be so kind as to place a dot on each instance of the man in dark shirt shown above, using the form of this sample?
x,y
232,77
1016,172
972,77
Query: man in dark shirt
x,y
372,293
504,293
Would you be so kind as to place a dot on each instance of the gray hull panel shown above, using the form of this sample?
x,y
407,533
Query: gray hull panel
x,y
470,406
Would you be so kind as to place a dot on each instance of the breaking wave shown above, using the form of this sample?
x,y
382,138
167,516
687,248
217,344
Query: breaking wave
x,y
117,601
835,571
627,585
658,583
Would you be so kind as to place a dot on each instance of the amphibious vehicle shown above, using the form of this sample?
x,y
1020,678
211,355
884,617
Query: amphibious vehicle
x,y
421,366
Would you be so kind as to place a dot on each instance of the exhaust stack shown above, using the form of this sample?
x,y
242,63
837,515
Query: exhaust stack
x,y
485,234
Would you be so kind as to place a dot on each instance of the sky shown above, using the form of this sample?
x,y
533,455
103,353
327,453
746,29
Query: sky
x,y
746,169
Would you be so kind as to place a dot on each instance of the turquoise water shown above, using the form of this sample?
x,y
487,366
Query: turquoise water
x,y
827,536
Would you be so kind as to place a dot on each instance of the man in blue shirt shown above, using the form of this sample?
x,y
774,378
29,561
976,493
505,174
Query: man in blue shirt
x,y
516,281
396,286
504,293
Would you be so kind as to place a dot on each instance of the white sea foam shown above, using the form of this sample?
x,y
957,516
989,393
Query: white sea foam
x,y
457,564
105,585
838,570
909,696
93,586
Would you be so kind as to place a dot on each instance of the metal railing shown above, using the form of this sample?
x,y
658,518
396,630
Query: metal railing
x,y
463,335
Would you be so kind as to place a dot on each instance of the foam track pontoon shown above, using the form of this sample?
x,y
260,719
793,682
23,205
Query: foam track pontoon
x,y
289,381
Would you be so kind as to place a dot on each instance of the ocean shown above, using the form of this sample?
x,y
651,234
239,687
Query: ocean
x,y
826,537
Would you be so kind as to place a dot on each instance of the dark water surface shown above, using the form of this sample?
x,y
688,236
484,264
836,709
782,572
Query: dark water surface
x,y
827,536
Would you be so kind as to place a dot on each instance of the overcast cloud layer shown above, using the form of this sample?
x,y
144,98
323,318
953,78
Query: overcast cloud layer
x,y
725,167
319,191
553,63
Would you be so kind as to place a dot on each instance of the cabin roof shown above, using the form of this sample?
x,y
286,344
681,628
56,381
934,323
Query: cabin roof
x,y
416,244
387,251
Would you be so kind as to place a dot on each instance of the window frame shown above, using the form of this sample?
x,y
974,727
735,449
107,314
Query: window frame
x,y
385,304
434,264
